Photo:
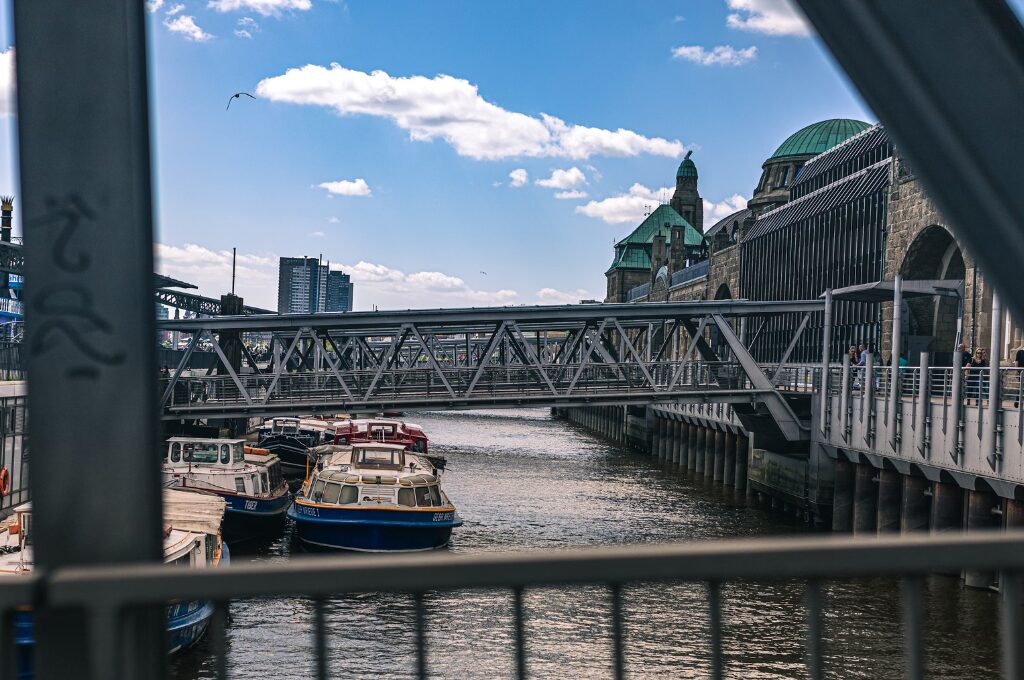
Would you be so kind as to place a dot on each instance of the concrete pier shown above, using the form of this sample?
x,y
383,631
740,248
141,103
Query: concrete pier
x,y
915,504
709,453
698,452
677,442
693,448
719,465
982,507
888,509
729,473
865,499
742,451
842,496
947,507
684,444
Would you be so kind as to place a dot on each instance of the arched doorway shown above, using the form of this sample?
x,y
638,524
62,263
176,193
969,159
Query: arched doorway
x,y
932,324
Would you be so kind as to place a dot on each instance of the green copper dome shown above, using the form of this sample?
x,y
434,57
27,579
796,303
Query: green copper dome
x,y
687,168
819,137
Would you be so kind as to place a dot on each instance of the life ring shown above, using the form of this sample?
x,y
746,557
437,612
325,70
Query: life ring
x,y
5,482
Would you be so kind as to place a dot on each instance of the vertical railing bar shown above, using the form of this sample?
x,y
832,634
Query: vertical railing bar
x,y
715,604
520,633
320,638
1010,623
618,651
421,636
913,625
218,638
815,647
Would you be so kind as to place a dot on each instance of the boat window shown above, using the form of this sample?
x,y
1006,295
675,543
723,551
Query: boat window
x,y
238,453
407,497
266,482
331,493
422,496
225,454
435,497
379,457
318,491
240,484
419,446
175,452
349,494
201,452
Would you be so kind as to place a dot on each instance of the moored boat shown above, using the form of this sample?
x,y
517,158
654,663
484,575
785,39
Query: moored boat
x,y
290,438
374,497
191,538
249,479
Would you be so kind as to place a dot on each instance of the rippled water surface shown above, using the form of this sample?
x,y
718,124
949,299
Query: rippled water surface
x,y
523,481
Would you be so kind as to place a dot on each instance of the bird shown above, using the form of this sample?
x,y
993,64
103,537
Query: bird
x,y
236,96
483,272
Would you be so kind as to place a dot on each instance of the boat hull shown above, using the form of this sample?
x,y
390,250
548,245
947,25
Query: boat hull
x,y
187,623
372,530
291,451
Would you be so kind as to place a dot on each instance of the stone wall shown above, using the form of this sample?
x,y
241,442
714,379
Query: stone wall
x,y
724,269
621,281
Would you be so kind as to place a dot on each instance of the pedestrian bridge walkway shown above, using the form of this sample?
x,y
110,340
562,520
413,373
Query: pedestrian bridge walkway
x,y
489,357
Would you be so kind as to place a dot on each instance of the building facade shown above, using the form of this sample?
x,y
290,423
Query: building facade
x,y
339,292
835,208
307,286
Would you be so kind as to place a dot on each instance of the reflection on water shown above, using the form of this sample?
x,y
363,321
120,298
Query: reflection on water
x,y
524,481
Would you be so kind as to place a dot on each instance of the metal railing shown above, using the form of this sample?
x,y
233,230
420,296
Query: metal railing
x,y
102,590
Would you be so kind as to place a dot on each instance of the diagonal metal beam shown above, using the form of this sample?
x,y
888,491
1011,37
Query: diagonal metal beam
x,y
636,355
696,335
385,360
281,366
432,359
230,369
792,344
531,357
585,359
331,363
485,358
181,366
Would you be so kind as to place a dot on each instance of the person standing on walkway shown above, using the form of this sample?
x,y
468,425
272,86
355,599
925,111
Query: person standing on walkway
x,y
862,360
975,375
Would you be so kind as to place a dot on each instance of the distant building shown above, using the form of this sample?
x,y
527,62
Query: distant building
x,y
306,286
339,292
301,285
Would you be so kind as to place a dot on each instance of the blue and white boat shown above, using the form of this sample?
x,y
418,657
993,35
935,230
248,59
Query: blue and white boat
x,y
248,479
192,538
373,497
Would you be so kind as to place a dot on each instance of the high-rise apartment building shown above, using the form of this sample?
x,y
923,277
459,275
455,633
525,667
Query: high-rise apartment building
x,y
306,286
339,292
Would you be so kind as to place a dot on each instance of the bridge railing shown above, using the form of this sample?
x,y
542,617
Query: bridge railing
x,y
105,591
427,383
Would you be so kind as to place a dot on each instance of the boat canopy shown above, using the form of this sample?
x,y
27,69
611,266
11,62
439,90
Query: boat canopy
x,y
193,511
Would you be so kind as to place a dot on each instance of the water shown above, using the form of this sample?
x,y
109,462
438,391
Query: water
x,y
523,481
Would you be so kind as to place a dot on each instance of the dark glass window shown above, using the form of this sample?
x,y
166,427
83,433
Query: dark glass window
x,y
331,493
407,497
349,494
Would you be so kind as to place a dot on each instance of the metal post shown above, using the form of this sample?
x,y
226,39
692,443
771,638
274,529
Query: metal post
x,y
869,398
826,359
83,126
923,406
990,439
894,359
956,404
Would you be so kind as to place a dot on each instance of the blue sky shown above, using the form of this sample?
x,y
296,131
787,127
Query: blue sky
x,y
417,199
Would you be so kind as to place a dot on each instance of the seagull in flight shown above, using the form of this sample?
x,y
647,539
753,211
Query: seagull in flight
x,y
236,96
483,272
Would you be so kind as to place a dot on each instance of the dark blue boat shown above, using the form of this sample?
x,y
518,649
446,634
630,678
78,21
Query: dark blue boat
x,y
374,497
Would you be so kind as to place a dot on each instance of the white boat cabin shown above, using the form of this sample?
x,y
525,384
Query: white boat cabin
x,y
223,466
374,473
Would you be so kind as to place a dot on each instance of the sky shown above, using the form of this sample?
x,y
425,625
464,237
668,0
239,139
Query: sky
x,y
459,153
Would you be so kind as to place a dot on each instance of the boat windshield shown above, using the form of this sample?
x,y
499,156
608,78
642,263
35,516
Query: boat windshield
x,y
286,426
201,452
380,458
238,452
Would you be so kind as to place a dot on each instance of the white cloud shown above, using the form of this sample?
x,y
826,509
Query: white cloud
x,y
448,108
318,234
774,17
551,296
242,33
346,187
264,8
154,5
629,207
722,55
176,9
571,194
564,179
519,177
385,287
249,23
7,89
333,220
727,206
211,271
678,19
186,25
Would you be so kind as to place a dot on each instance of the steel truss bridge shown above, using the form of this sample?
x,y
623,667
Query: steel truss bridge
x,y
485,357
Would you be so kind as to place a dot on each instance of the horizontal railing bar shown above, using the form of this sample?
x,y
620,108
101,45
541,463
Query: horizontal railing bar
x,y
760,559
